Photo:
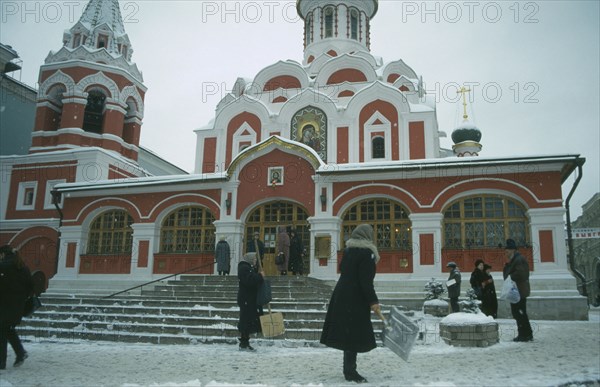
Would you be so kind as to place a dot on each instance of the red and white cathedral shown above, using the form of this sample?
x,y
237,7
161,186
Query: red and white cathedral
x,y
322,145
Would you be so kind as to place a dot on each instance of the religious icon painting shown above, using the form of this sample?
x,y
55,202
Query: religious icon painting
x,y
275,175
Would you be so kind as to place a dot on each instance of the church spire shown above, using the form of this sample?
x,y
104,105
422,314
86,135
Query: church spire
x,y
336,26
100,27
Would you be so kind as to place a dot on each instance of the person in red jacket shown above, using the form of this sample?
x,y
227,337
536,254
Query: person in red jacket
x,y
15,287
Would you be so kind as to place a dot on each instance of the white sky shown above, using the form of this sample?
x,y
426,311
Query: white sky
x,y
534,66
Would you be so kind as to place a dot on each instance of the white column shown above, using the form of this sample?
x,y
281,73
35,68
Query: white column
x,y
68,234
325,227
549,219
427,224
143,232
234,233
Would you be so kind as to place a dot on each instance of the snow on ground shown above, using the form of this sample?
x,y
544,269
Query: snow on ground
x,y
563,353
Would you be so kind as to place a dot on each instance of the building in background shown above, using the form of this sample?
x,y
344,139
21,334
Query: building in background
x,y
586,246
322,145
17,106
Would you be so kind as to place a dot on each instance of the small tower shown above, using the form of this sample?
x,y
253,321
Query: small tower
x,y
90,93
336,27
466,136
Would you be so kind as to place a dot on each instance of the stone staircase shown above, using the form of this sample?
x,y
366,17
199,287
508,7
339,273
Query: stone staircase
x,y
193,309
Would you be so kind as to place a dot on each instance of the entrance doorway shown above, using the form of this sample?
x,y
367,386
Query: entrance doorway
x,y
265,220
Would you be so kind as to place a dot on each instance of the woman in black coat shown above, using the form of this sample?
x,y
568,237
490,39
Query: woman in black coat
x,y
489,301
478,276
15,287
249,282
348,321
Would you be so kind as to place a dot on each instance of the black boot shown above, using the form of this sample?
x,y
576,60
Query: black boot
x,y
350,372
245,344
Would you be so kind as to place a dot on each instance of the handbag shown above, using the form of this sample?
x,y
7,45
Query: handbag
x,y
279,259
32,304
510,292
264,295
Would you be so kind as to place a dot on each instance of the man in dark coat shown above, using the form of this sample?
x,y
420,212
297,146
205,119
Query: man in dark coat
x,y
518,270
249,281
15,287
453,285
348,321
223,257
296,253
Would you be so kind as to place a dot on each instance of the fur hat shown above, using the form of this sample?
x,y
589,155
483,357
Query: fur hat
x,y
250,258
477,262
511,244
451,264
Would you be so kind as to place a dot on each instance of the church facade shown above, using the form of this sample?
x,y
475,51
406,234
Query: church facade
x,y
321,146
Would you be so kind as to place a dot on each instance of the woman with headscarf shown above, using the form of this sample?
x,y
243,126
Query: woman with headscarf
x,y
15,287
478,276
348,324
249,282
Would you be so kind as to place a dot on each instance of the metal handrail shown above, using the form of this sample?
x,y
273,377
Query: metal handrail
x,y
161,279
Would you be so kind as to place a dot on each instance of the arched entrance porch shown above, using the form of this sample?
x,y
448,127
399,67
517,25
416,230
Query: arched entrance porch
x,y
265,219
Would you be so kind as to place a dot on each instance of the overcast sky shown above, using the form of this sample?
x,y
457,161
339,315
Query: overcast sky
x,y
533,65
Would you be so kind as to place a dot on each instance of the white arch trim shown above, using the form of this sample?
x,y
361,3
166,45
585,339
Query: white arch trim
x,y
99,79
458,184
131,91
57,77
101,209
394,187
176,205
360,198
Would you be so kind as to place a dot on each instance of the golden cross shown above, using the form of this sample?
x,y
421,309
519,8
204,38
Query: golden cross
x,y
464,91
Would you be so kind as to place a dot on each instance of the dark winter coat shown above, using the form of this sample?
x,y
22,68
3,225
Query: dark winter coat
x,y
283,246
251,248
348,321
296,250
477,278
249,281
518,269
489,300
15,287
222,256
454,290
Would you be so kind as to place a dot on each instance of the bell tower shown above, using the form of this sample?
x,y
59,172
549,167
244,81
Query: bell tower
x,y
91,94
336,27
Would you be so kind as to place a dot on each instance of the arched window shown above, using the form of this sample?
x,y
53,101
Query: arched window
x,y
389,220
94,112
308,28
378,147
329,22
188,230
110,233
55,95
484,222
354,24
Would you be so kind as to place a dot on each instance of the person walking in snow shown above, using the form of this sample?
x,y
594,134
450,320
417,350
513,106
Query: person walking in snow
x,y
348,324
249,281
223,256
453,284
489,301
518,270
15,287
